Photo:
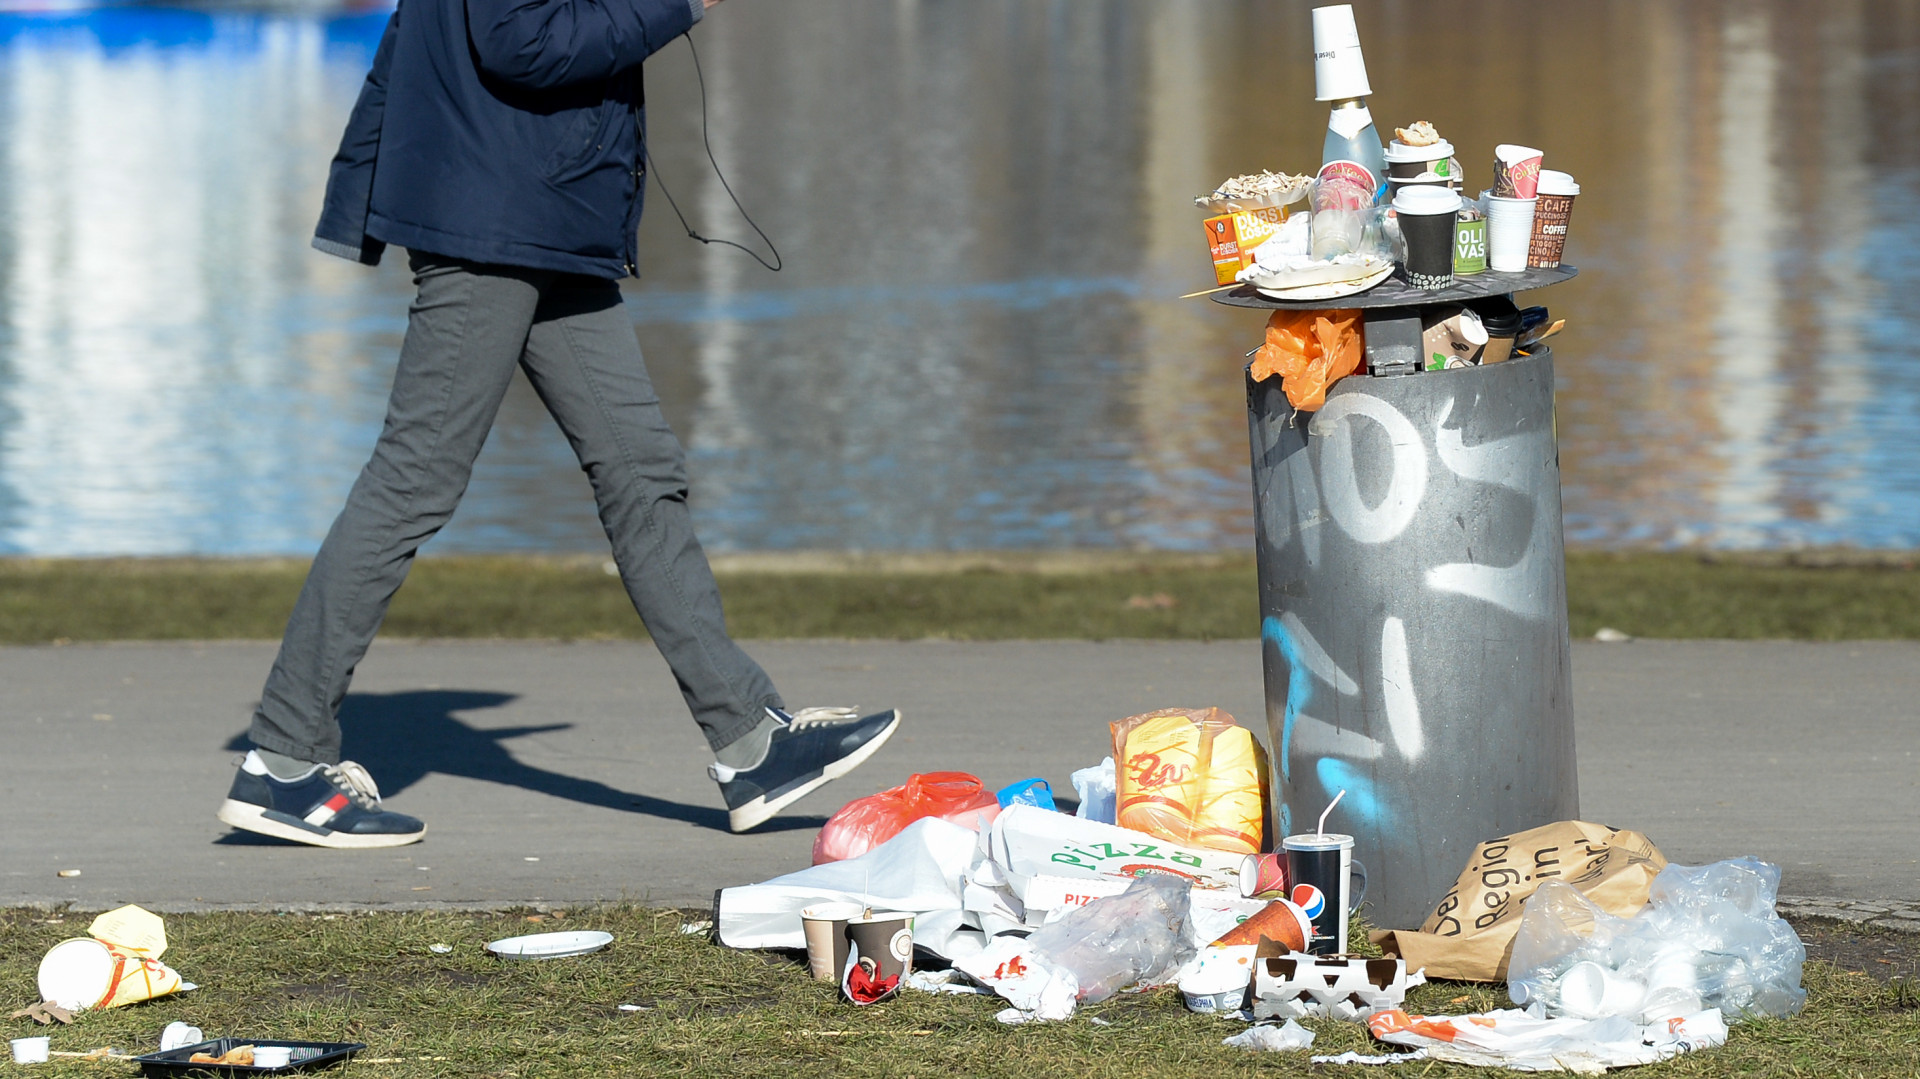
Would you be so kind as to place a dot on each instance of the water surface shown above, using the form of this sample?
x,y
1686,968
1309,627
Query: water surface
x,y
984,211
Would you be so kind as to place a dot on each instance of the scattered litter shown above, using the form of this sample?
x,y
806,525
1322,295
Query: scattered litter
x,y
105,1052
1708,938
694,929
1609,635
178,1035
1028,792
1291,1037
1510,1038
30,1050
254,1054
1351,1057
861,1033
440,949
550,945
117,963
530,858
1095,788
945,981
68,873
866,823
636,1007
1099,1022
1302,985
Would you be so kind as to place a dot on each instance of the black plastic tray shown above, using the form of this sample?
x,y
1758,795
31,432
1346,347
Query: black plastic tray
x,y
1395,292
174,1062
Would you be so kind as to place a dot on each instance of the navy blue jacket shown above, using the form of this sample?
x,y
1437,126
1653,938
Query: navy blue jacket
x,y
502,131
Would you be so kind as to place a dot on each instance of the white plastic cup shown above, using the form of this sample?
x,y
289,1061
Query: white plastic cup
x,y
272,1056
1339,69
1509,232
31,1050
1591,991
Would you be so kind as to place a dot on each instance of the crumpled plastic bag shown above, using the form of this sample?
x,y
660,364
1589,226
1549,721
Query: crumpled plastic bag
x,y
1708,938
1094,786
1310,351
1192,776
1511,1038
865,823
1139,937
1273,1039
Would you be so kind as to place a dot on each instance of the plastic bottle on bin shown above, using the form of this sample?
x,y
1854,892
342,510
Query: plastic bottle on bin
x,y
1353,148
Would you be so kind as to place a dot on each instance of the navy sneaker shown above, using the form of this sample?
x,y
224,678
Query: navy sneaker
x,y
332,805
810,749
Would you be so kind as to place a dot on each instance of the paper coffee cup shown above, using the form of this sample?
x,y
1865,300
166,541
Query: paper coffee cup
x,y
1548,238
1509,232
825,925
1339,69
86,973
31,1050
1426,217
1263,876
1282,921
1405,161
1516,171
879,957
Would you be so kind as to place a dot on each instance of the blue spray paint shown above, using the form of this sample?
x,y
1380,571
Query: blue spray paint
x,y
1362,802
1299,690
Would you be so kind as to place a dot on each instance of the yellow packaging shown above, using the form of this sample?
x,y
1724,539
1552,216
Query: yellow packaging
x,y
1231,238
1189,776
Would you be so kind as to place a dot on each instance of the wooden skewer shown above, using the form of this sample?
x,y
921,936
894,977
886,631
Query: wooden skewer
x,y
1210,291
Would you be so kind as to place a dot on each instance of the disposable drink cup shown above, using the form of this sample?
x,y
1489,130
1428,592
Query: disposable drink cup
x,y
1591,991
272,1056
826,930
1516,171
87,973
31,1050
1548,237
1263,876
1406,162
1426,218
879,957
1509,230
1321,868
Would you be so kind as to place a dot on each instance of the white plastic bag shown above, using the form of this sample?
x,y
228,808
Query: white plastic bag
x,y
1708,938
1095,788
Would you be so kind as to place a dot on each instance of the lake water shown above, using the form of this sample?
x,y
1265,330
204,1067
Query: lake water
x,y
984,206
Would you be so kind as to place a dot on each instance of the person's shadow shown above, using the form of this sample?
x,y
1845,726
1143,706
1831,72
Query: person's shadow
x,y
401,737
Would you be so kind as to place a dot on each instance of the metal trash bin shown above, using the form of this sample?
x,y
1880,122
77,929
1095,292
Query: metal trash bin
x,y
1414,616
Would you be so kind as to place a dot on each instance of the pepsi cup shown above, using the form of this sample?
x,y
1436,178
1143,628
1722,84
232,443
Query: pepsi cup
x,y
1320,872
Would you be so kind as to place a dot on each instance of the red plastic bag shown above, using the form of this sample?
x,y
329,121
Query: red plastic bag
x,y
865,823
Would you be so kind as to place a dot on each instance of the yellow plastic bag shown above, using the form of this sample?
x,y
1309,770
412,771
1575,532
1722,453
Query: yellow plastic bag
x,y
1310,351
1190,776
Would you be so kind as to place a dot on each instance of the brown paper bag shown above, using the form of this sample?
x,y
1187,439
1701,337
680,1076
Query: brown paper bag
x,y
1470,933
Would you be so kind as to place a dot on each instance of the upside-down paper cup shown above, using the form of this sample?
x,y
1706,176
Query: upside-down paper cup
x,y
86,973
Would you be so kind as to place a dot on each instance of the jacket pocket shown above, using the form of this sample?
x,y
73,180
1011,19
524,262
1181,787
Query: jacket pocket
x,y
583,136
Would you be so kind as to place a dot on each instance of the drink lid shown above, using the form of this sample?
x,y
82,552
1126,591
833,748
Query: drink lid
x,y
1339,70
1553,182
1426,199
1398,151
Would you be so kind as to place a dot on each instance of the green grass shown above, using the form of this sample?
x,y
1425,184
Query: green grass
x,y
372,978
1084,596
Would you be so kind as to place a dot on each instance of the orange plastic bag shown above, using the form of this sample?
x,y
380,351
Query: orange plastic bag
x,y
1310,351
865,823
1191,776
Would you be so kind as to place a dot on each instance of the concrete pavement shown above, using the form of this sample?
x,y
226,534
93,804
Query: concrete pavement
x,y
567,773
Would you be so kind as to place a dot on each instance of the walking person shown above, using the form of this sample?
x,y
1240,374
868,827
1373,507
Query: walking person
x,y
501,143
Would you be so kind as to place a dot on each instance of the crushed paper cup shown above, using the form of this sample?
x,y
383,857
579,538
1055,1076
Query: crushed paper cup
x,y
87,973
1516,171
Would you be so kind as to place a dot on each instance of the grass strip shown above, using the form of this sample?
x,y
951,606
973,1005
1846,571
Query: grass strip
x,y
961,597
373,978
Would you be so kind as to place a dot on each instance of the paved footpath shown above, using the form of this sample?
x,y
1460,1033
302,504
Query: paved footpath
x,y
566,773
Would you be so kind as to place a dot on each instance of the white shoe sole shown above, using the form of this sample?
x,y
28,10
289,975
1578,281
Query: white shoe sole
x,y
252,818
760,810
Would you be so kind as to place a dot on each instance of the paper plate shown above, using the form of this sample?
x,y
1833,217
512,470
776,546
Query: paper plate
x,y
1330,290
550,945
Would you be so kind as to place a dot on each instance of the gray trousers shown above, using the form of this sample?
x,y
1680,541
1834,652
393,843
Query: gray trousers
x,y
466,332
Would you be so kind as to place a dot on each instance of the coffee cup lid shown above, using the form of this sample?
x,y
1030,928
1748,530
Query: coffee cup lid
x,y
1426,199
1554,182
1400,151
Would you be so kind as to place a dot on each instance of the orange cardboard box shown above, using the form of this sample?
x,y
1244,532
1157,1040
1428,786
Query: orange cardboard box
x,y
1232,237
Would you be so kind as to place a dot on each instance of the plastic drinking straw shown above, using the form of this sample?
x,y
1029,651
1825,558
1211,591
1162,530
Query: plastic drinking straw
x,y
1320,830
